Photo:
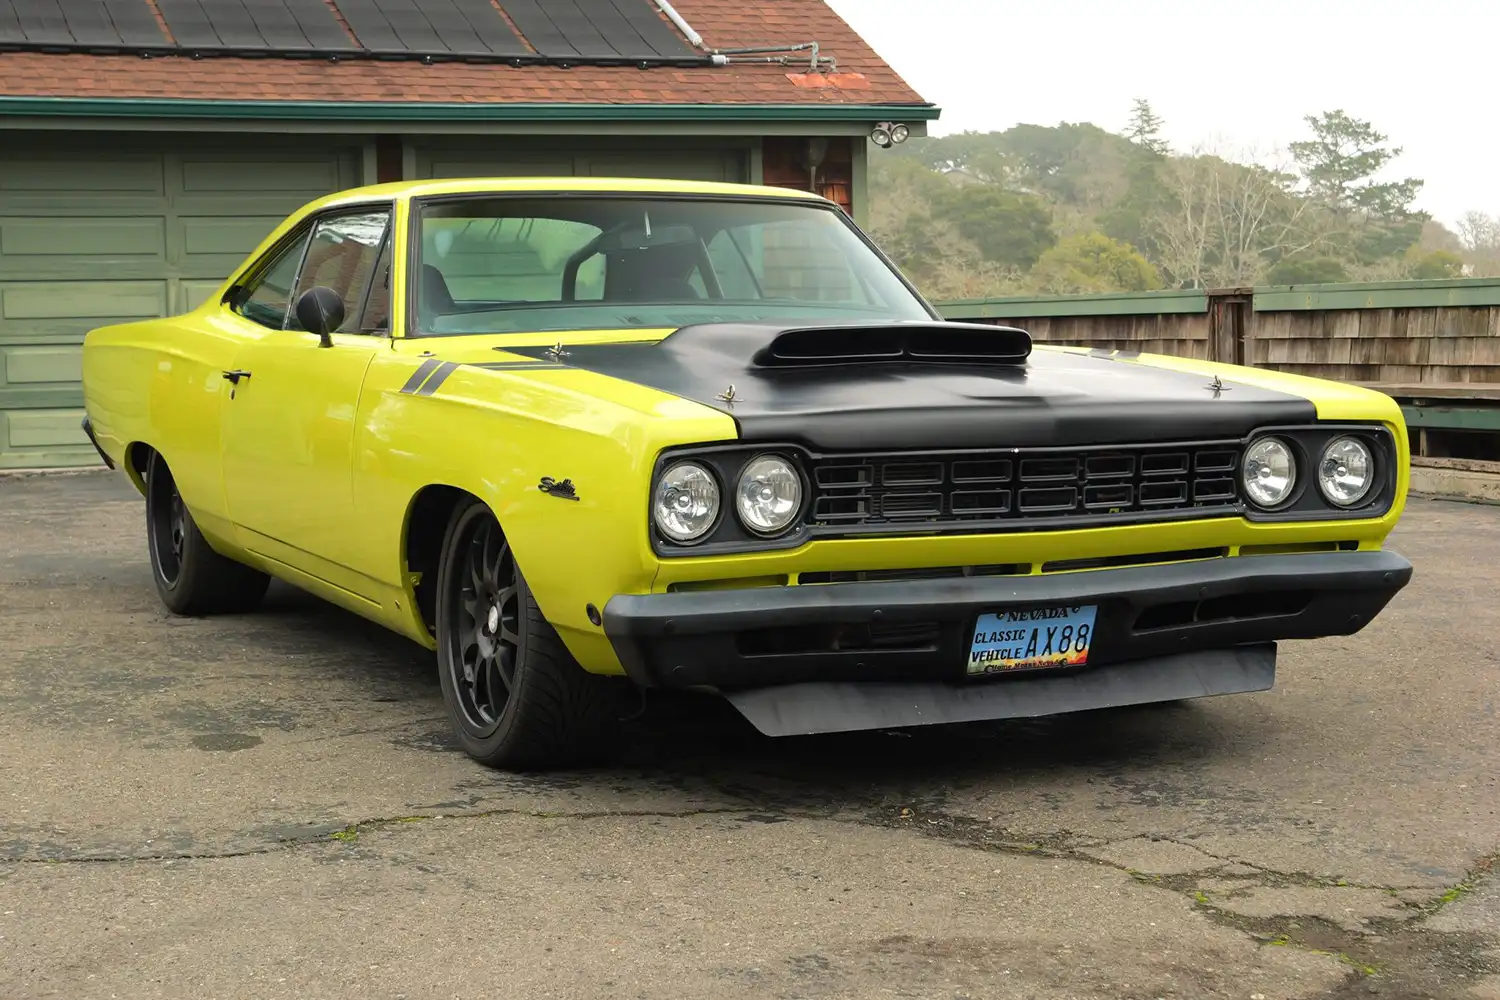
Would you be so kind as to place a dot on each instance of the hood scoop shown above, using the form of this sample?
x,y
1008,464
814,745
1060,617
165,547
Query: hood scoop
x,y
896,343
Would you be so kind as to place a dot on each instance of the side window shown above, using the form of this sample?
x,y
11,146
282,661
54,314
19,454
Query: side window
x,y
376,317
268,297
342,256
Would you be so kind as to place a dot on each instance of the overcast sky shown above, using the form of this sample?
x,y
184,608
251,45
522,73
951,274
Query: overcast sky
x,y
1241,74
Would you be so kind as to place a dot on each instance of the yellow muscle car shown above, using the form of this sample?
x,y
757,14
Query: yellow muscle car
x,y
585,437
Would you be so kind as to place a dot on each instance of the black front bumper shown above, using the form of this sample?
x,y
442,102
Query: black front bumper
x,y
920,630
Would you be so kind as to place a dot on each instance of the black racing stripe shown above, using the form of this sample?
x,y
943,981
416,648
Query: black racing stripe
x,y
444,369
420,375
1056,399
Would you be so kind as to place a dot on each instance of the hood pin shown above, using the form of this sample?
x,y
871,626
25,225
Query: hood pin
x,y
556,351
728,395
1217,386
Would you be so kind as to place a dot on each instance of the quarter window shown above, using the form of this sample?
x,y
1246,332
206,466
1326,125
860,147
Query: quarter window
x,y
267,297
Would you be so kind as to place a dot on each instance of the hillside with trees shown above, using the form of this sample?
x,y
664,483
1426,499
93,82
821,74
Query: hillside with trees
x,y
1075,208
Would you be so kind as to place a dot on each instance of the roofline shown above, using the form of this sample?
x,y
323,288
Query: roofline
x,y
150,107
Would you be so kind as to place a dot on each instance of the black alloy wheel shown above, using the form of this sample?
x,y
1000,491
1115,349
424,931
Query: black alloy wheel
x,y
167,525
486,632
516,696
191,578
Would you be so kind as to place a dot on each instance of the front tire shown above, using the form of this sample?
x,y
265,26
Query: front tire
x,y
517,698
190,576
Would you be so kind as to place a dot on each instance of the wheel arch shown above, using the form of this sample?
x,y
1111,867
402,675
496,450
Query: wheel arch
x,y
423,532
137,457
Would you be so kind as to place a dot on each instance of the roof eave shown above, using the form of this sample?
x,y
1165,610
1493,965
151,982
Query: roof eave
x,y
406,111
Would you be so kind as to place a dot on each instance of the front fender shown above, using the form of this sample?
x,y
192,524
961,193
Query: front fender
x,y
496,434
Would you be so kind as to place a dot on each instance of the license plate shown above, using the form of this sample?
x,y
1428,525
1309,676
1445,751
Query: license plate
x,y
1031,639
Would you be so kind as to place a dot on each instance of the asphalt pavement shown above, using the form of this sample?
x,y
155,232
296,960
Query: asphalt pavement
x,y
270,805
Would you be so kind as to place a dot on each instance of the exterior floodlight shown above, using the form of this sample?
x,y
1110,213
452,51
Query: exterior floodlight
x,y
899,133
881,136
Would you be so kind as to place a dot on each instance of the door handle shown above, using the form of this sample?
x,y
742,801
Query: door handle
x,y
234,376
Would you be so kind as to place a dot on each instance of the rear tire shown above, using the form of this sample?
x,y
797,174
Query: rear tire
x,y
517,698
190,576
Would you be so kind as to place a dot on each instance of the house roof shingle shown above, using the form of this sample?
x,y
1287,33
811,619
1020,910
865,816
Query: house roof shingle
x,y
862,77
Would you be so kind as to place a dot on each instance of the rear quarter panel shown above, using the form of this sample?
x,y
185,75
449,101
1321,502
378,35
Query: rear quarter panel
x,y
160,383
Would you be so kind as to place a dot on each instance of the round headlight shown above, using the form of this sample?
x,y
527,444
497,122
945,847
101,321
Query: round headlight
x,y
1269,472
769,495
686,502
1346,471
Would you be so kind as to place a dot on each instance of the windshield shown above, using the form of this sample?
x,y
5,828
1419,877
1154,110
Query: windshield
x,y
502,265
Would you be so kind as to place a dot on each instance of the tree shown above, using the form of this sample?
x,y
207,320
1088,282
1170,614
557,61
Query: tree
x,y
1009,229
1228,221
1092,262
1144,127
1339,165
1307,271
1428,264
928,247
1480,235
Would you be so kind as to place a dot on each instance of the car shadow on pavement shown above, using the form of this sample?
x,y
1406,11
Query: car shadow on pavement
x,y
678,736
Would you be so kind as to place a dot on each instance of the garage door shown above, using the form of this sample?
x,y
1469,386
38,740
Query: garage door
x,y
95,232
696,162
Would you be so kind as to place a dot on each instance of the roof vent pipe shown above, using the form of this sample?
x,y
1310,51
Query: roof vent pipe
x,y
723,57
682,25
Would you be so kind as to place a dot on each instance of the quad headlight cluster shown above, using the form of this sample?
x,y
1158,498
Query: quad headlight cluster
x,y
1344,469
767,495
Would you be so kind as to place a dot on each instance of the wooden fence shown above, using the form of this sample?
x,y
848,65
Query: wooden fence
x,y
1434,345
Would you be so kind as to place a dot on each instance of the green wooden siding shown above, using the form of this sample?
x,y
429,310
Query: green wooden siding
x,y
109,229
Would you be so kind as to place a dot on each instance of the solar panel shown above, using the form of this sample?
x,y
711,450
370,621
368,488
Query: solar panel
x,y
606,31
370,26
88,23
596,29
188,23
133,21
321,29
289,26
473,26
38,22
538,28
642,18
10,25
434,27
80,24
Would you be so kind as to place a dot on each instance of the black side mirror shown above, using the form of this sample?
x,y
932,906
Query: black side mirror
x,y
320,310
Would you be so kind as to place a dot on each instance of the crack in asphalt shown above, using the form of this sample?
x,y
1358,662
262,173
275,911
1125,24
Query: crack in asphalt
x,y
1394,952
324,834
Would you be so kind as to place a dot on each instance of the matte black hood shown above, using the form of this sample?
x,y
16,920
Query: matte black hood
x,y
967,396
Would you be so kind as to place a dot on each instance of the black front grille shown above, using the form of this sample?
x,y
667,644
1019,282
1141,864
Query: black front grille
x,y
1025,485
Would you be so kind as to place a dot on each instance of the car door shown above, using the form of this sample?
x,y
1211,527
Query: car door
x,y
289,419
